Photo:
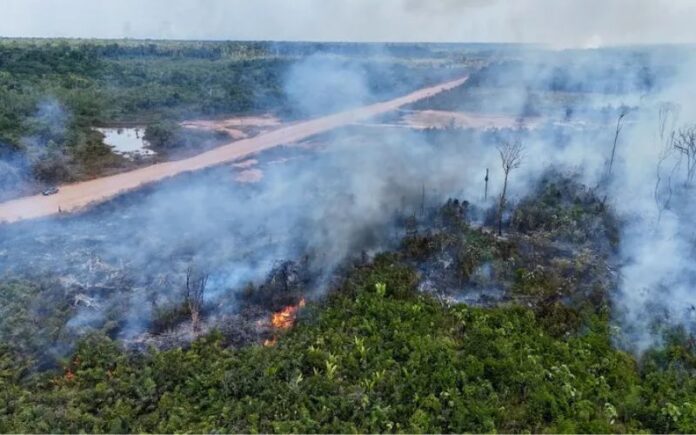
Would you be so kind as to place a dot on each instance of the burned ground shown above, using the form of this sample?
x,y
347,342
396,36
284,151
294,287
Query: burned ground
x,y
567,262
143,302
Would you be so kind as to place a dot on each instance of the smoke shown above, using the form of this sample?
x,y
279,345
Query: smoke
x,y
134,251
647,187
41,153
653,193
14,171
319,85
129,256
583,93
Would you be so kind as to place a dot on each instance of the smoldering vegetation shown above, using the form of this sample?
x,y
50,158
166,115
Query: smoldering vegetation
x,y
575,228
122,268
564,86
116,267
644,97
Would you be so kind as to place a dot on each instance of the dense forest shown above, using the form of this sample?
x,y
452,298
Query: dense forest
x,y
55,92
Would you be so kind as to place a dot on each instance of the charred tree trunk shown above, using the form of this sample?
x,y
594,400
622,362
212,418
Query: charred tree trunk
x,y
619,125
411,225
195,290
485,189
510,158
667,118
501,207
663,188
685,143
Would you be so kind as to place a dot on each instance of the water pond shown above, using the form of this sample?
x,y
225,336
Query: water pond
x,y
129,142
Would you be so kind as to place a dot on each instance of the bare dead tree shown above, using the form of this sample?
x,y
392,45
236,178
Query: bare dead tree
x,y
411,225
619,126
510,158
195,290
663,183
422,204
667,116
685,143
666,119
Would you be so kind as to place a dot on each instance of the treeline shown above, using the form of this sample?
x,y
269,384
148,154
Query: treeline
x,y
239,49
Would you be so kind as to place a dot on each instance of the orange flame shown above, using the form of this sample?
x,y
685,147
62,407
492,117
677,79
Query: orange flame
x,y
285,318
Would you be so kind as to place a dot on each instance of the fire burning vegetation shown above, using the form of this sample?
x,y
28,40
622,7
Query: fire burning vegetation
x,y
512,251
285,318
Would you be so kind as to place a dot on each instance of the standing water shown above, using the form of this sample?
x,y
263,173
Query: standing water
x,y
129,142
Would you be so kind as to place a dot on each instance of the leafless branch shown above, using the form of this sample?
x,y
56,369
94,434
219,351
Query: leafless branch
x,y
511,154
619,126
667,116
685,143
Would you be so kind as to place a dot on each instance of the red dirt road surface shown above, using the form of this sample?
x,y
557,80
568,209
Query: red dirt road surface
x,y
76,196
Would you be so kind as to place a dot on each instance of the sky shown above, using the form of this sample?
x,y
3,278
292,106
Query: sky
x,y
564,23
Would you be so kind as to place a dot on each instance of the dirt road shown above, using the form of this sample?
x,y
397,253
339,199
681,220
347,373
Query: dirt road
x,y
78,195
424,119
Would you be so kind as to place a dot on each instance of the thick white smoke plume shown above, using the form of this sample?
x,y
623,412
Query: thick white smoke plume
x,y
655,198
